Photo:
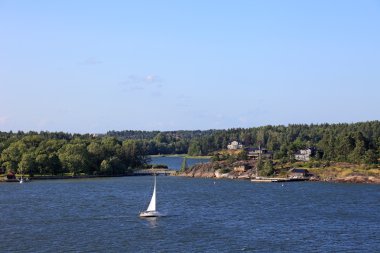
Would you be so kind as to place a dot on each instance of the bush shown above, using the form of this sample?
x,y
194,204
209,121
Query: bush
x,y
225,170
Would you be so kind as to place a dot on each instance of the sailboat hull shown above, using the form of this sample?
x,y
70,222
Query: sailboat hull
x,y
150,214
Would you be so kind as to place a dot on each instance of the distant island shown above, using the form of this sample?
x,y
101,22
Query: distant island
x,y
320,148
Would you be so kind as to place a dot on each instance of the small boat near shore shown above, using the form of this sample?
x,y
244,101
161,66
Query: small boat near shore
x,y
23,180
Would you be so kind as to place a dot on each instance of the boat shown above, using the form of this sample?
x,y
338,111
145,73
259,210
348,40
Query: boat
x,y
22,180
151,211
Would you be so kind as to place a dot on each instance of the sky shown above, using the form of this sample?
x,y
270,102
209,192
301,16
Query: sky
x,y
95,66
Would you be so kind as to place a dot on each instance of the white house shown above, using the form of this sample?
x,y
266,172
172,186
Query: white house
x,y
304,154
234,145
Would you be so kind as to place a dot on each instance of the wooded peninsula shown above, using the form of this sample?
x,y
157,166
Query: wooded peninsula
x,y
121,152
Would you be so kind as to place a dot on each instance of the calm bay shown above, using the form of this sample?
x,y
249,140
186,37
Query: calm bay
x,y
202,215
175,162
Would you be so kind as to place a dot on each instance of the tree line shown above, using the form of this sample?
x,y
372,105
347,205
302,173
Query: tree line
x,y
355,142
121,152
59,153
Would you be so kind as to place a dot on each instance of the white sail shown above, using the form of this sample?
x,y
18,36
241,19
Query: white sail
x,y
152,204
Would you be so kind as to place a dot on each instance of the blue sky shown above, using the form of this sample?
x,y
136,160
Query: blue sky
x,y
94,66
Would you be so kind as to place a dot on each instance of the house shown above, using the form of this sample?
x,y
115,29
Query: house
x,y
298,173
234,145
304,154
256,153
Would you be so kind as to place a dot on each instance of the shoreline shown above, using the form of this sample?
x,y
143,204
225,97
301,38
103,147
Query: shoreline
x,y
4,180
359,179
246,170
332,174
350,179
181,155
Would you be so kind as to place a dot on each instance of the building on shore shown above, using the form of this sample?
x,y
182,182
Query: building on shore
x,y
256,153
234,146
304,154
299,173
11,175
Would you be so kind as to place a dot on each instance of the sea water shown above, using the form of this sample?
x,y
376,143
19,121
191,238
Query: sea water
x,y
202,215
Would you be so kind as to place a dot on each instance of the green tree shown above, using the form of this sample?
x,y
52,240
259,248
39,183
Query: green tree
x,y
48,163
133,154
184,164
11,156
357,155
194,148
259,166
105,167
97,153
370,157
74,157
27,164
42,161
267,169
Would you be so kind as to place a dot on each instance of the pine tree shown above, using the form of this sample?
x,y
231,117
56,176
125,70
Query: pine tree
x,y
184,164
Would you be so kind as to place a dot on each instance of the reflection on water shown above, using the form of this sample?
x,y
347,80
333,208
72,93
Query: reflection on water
x,y
152,221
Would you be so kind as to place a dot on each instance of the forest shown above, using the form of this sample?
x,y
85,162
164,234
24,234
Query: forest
x,y
47,153
355,142
120,152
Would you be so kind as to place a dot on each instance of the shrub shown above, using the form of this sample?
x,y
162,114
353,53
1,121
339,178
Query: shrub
x,y
225,170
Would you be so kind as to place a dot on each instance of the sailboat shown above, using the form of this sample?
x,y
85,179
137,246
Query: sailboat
x,y
151,211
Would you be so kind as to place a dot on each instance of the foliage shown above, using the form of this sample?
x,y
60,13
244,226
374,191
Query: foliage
x,y
225,170
59,153
120,152
184,165
267,169
355,143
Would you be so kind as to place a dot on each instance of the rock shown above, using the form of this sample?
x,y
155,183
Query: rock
x,y
218,173
244,176
374,180
214,170
359,179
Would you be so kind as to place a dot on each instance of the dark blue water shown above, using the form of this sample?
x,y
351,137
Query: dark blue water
x,y
175,162
101,215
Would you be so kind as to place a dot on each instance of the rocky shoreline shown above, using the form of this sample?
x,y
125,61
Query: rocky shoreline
x,y
215,170
359,179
